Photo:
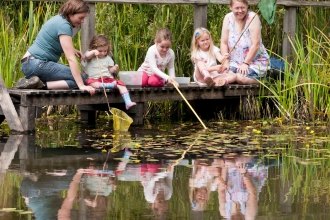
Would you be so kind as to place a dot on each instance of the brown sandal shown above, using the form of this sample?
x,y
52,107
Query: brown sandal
x,y
209,81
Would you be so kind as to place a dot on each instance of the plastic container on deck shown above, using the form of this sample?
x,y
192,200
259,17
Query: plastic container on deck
x,y
131,78
182,80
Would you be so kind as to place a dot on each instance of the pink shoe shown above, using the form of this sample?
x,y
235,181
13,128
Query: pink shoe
x,y
130,105
209,81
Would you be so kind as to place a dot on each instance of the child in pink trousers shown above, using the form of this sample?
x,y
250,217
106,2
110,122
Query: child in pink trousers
x,y
159,56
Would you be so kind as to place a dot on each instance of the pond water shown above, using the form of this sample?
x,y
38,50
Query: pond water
x,y
233,170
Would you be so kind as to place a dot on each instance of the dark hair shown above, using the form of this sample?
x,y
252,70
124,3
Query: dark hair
x,y
72,7
100,40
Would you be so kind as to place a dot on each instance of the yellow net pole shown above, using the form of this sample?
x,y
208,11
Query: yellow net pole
x,y
189,105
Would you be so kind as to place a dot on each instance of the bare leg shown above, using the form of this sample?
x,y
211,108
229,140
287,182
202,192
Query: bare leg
x,y
122,89
245,80
95,85
202,75
199,76
61,84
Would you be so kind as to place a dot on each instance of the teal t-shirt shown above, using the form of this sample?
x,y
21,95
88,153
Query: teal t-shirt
x,y
47,45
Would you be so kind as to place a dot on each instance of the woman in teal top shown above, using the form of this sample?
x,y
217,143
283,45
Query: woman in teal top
x,y
55,38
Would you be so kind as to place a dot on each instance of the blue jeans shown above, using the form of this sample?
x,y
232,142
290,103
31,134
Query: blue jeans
x,y
49,71
252,74
277,63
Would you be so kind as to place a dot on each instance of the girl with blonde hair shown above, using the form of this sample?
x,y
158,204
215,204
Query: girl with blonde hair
x,y
207,60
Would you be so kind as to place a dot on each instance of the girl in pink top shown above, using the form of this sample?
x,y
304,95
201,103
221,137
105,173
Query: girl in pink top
x,y
159,56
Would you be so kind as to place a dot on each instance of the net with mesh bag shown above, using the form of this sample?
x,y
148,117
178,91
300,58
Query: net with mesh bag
x,y
121,121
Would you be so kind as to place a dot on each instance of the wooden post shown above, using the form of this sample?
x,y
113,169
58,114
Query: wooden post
x,y
289,31
88,28
137,112
28,116
8,153
89,116
200,16
8,108
27,151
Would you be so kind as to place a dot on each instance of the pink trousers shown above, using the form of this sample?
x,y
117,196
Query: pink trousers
x,y
152,81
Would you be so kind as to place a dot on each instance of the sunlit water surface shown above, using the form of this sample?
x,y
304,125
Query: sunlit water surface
x,y
233,170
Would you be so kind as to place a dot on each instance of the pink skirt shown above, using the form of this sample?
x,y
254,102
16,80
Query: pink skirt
x,y
105,80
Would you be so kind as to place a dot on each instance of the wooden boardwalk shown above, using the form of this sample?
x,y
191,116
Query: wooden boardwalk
x,y
28,103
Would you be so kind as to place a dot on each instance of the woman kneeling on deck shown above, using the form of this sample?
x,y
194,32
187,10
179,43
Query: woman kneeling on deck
x,y
39,64
249,58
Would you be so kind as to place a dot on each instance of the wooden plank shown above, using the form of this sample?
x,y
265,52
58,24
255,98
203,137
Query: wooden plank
x,y
88,28
217,2
289,32
200,16
191,92
8,108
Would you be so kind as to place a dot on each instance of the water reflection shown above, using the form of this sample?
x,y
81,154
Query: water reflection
x,y
7,154
154,181
241,182
81,183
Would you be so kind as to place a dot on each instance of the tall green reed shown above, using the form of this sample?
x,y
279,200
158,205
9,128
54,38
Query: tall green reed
x,y
131,28
303,93
10,196
309,165
10,48
15,40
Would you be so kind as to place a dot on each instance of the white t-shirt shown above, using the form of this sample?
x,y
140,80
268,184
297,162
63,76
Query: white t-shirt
x,y
93,67
151,188
155,64
208,61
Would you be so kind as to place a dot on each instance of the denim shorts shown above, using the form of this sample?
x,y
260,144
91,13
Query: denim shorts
x,y
252,74
49,71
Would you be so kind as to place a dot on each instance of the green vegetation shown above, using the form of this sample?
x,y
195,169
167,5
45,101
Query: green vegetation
x,y
131,29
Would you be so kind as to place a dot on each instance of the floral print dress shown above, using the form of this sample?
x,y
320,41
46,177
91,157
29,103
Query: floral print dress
x,y
260,63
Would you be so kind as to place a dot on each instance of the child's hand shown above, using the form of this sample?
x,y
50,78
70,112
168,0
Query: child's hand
x,y
91,203
218,68
115,68
172,81
96,52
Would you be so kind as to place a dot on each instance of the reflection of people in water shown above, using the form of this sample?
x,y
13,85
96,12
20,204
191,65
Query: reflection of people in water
x,y
204,179
156,180
41,192
240,183
98,185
